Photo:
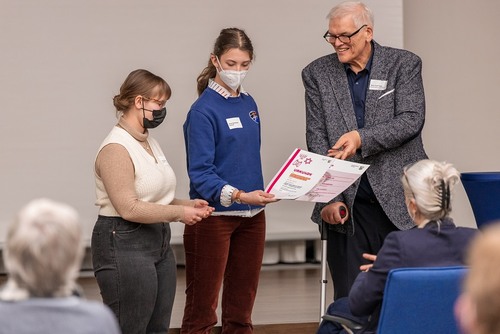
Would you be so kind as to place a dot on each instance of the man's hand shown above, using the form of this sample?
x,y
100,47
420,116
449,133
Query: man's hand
x,y
346,146
332,213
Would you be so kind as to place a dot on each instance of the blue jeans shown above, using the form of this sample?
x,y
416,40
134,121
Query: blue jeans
x,y
136,272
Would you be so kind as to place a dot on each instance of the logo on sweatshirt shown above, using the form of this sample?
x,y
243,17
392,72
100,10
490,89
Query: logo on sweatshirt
x,y
254,116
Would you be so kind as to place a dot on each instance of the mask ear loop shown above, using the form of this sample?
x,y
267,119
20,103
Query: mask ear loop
x,y
218,62
144,119
143,113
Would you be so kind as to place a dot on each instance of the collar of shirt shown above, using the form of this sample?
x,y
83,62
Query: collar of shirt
x,y
221,90
368,66
142,137
445,222
358,85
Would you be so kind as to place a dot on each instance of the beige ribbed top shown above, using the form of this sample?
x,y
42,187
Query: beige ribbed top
x,y
133,184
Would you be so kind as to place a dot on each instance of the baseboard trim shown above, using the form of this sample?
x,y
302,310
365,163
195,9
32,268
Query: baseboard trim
x,y
291,328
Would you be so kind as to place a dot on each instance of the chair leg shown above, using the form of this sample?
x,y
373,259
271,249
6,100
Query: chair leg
x,y
347,329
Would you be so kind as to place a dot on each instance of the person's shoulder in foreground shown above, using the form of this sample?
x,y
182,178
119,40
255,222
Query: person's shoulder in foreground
x,y
42,257
478,306
56,315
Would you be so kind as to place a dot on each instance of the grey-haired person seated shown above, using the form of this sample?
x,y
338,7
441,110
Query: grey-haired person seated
x,y
42,256
434,241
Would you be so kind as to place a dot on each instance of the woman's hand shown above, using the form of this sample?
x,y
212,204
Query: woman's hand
x,y
369,257
192,215
199,203
257,197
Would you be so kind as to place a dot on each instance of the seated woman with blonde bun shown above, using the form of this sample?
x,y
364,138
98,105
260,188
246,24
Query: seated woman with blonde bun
x,y
435,241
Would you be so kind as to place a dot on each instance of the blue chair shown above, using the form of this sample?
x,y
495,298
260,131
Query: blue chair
x,y
483,191
417,300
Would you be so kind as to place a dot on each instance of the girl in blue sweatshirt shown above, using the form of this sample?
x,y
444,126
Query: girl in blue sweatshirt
x,y
222,137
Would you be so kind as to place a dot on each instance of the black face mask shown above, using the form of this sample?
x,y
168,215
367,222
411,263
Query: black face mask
x,y
158,117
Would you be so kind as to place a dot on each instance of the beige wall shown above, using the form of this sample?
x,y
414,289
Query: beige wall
x,y
62,61
459,45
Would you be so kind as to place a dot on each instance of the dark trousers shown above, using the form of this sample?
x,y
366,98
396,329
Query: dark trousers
x,y
228,251
135,269
344,252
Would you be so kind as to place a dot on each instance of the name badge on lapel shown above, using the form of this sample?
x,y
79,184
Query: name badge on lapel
x,y
378,84
163,159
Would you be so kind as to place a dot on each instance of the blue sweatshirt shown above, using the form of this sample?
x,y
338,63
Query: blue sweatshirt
x,y
222,138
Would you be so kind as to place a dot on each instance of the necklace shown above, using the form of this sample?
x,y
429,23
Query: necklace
x,y
146,145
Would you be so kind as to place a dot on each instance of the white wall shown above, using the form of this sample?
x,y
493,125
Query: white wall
x,y
458,42
62,62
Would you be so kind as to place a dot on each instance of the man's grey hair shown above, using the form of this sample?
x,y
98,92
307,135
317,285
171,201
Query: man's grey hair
x,y
360,13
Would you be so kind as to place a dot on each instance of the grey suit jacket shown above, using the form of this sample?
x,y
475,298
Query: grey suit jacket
x,y
394,118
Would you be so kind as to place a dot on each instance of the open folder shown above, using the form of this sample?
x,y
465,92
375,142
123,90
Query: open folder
x,y
311,177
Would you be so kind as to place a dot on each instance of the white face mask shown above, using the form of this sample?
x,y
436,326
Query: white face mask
x,y
232,79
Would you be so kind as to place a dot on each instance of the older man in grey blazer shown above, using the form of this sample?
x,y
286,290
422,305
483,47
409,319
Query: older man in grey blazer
x,y
364,103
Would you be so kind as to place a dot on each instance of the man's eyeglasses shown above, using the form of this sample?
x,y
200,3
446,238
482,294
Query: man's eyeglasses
x,y
160,103
343,38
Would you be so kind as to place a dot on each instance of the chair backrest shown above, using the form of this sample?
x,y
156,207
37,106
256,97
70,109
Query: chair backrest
x,y
483,191
420,300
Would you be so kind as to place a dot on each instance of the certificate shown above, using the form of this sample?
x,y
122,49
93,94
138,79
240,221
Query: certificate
x,y
311,177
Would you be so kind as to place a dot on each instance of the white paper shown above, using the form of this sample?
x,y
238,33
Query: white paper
x,y
311,177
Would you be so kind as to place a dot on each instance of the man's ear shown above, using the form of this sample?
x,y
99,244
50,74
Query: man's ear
x,y
369,33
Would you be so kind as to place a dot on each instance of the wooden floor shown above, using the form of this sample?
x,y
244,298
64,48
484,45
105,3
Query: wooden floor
x,y
288,299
